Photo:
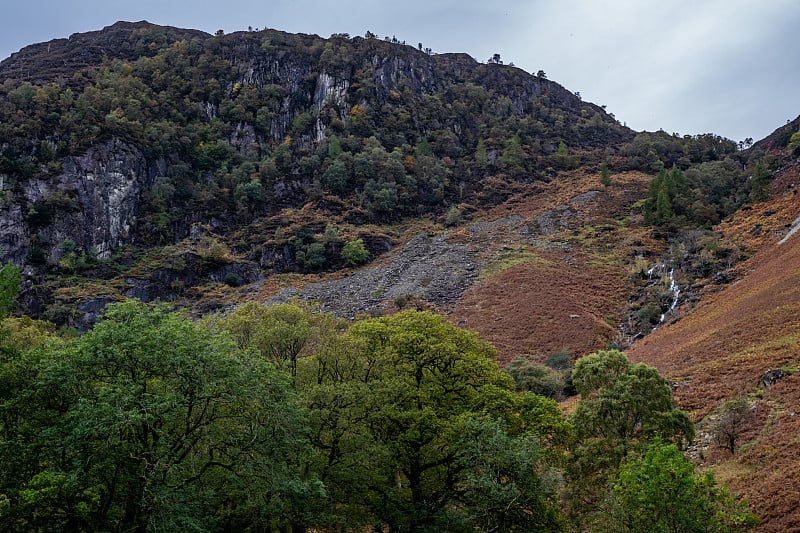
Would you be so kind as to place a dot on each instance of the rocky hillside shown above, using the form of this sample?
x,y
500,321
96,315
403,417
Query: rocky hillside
x,y
742,343
278,148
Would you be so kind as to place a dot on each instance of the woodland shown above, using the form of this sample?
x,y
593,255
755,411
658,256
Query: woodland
x,y
280,418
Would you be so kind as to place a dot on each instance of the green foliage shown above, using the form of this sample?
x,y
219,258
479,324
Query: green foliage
x,y
794,142
623,407
310,257
423,148
734,418
179,98
10,280
513,158
337,177
651,151
536,378
503,483
481,156
563,158
149,422
397,407
453,216
24,333
759,181
279,333
660,491
559,361
381,196
249,197
354,252
404,423
705,183
605,175
625,403
334,147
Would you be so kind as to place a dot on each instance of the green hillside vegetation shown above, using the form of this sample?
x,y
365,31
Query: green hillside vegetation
x,y
411,133
412,142
280,418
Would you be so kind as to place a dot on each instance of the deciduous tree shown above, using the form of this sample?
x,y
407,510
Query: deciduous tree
x,y
623,407
660,491
152,422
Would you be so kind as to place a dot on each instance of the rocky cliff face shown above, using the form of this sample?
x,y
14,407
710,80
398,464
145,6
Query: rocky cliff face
x,y
93,203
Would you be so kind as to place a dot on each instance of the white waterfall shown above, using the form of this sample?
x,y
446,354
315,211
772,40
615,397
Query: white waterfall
x,y
676,294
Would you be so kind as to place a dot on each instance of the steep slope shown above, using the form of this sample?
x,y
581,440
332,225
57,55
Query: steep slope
x,y
545,271
723,347
277,148
563,282
161,163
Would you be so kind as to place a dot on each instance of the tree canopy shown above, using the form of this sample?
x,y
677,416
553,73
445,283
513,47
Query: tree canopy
x,y
272,418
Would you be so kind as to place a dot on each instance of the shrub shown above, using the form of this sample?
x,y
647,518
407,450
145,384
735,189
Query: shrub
x,y
354,252
536,378
453,216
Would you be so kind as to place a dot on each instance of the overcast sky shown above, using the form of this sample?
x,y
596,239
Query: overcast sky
x,y
730,67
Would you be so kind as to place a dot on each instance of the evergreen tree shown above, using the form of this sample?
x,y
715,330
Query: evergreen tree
x,y
605,175
513,159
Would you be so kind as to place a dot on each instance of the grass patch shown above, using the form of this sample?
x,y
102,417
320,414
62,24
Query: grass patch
x,y
509,257
729,471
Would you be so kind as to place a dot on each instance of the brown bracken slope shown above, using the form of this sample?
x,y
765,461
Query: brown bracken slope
x,y
563,285
722,348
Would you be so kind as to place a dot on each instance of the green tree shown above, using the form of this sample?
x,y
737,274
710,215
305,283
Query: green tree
x,y
481,156
249,197
759,182
625,403
310,257
622,408
334,147
337,177
658,210
536,378
354,252
393,409
513,158
503,479
381,196
794,143
660,491
453,216
156,423
563,158
9,287
605,175
423,148
279,333
734,418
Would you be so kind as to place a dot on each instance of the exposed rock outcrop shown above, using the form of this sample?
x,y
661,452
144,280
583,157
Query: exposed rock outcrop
x,y
94,203
771,377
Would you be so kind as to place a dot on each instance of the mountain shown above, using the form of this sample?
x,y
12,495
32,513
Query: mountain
x,y
370,176
257,142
